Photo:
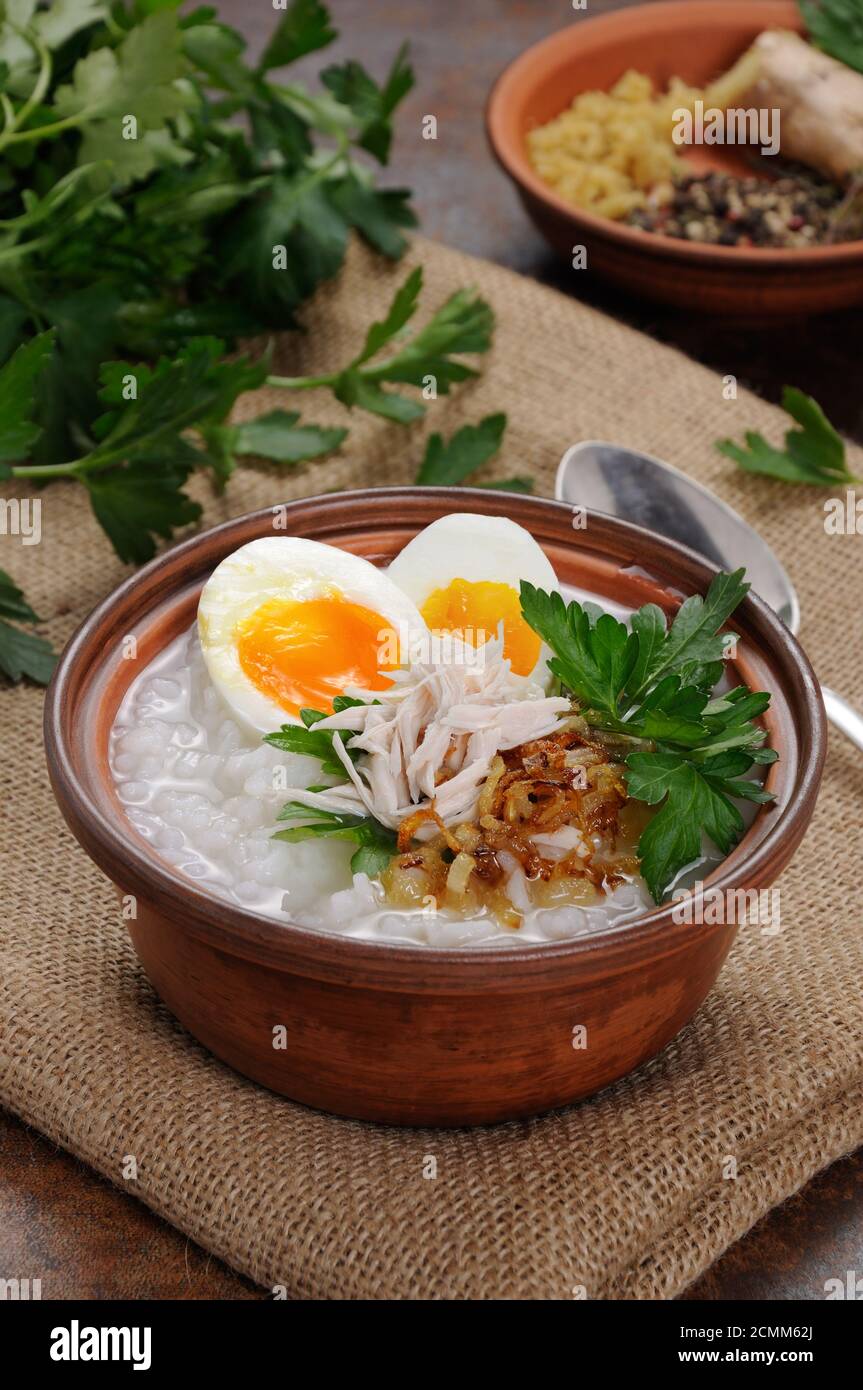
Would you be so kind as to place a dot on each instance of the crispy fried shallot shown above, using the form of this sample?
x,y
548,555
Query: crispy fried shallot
x,y
554,809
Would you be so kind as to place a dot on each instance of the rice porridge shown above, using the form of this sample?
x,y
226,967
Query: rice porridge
x,y
200,790
459,784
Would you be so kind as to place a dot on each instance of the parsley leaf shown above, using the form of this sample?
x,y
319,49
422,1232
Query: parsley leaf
x,y
594,660
697,797
21,653
694,635
353,389
378,214
653,684
463,324
429,359
65,18
312,742
377,844
813,454
281,244
836,26
141,500
18,381
136,473
672,838
468,449
448,462
649,626
279,436
372,105
402,308
150,407
377,847
517,484
139,78
304,28
724,772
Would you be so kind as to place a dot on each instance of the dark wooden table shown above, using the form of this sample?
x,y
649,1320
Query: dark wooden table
x,y
93,1241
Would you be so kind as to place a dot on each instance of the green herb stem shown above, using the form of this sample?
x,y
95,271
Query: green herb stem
x,y
303,383
42,82
8,110
47,132
15,119
47,472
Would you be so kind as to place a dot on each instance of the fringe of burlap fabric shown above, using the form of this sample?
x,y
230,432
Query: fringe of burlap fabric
x,y
626,1195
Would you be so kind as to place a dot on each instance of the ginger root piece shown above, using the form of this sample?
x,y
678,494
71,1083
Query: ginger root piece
x,y
732,87
820,101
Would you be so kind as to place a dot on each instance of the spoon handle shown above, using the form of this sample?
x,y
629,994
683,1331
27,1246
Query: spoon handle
x,y
840,713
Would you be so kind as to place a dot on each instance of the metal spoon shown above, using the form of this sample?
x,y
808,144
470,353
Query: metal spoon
x,y
642,489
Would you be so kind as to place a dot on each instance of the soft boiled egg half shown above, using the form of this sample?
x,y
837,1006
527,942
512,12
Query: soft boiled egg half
x,y
287,624
464,571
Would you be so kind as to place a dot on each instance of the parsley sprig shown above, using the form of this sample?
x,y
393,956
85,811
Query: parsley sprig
x,y
653,683
376,844
814,453
143,454
462,325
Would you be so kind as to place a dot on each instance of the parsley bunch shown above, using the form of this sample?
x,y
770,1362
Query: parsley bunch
x,y
161,197
155,187
652,686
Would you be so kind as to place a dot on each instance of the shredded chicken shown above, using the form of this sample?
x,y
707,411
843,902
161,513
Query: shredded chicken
x,y
430,739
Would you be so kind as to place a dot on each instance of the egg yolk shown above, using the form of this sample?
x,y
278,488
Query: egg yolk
x,y
474,611
303,654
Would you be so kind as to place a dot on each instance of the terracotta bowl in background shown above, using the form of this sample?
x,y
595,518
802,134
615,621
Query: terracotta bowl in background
x,y
411,1034
696,40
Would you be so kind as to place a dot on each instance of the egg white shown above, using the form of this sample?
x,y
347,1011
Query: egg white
x,y
478,549
293,569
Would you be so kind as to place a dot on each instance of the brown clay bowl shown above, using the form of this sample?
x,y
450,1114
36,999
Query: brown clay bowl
x,y
404,1034
696,40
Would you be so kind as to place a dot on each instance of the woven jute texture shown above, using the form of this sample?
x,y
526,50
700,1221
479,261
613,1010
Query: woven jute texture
x,y
629,1195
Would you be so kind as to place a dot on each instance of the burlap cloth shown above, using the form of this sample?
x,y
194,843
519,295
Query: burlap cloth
x,y
627,1195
